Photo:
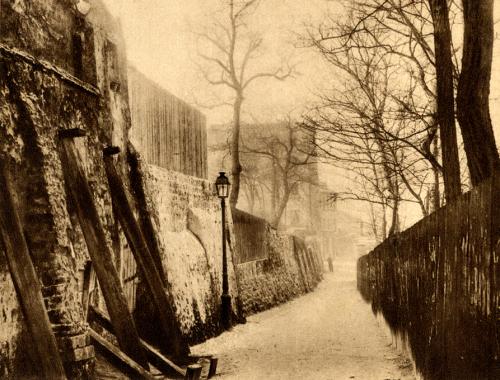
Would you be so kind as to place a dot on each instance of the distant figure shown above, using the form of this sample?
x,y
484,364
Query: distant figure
x,y
330,263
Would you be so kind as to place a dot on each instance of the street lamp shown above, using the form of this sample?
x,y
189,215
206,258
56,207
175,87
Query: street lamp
x,y
222,185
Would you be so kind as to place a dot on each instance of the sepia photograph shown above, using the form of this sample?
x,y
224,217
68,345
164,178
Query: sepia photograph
x,y
249,189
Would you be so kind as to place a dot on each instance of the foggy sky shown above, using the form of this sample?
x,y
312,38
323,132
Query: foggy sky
x,y
161,44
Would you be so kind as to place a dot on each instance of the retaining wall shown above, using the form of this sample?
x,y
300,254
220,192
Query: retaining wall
x,y
56,71
436,284
284,269
187,218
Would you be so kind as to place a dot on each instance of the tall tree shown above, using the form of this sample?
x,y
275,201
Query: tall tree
x,y
445,98
371,122
474,89
232,52
405,29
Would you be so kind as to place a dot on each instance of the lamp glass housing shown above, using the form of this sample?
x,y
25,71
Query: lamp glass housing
x,y
222,185
83,7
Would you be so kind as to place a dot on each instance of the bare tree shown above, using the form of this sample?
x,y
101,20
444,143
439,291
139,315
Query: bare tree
x,y
231,53
405,29
366,127
278,159
254,183
411,19
290,152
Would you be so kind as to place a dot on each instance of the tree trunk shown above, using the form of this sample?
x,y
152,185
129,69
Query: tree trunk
x,y
274,189
394,229
474,90
235,152
445,98
384,222
436,196
281,207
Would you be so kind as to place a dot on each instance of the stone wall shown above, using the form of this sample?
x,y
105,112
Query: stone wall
x,y
58,70
187,217
289,270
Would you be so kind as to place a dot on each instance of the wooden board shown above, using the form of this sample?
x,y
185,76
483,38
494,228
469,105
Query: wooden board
x,y
100,253
163,359
156,357
88,283
124,358
146,265
26,282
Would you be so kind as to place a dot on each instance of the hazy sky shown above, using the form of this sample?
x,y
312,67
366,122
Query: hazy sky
x,y
161,44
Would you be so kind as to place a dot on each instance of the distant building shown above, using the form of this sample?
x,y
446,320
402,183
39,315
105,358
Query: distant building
x,y
261,186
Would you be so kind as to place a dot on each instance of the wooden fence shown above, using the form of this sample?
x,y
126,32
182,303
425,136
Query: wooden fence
x,y
250,237
167,131
436,284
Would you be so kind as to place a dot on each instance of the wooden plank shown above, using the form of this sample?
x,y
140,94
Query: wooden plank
x,y
213,367
88,283
163,359
124,358
26,282
103,320
100,253
146,265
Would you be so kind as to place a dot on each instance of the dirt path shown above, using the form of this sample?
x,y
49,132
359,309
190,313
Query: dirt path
x,y
330,333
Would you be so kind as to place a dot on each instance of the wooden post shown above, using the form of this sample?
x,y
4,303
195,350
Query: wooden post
x,y
26,282
213,367
147,269
193,372
88,283
100,253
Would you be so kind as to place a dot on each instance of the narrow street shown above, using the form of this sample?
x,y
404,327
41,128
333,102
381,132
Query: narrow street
x,y
330,333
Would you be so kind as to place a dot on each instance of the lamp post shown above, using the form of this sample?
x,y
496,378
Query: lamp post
x,y
222,185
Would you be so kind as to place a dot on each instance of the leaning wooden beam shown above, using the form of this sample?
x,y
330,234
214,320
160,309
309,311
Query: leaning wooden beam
x,y
164,361
26,282
124,358
147,268
100,254
88,283
156,357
